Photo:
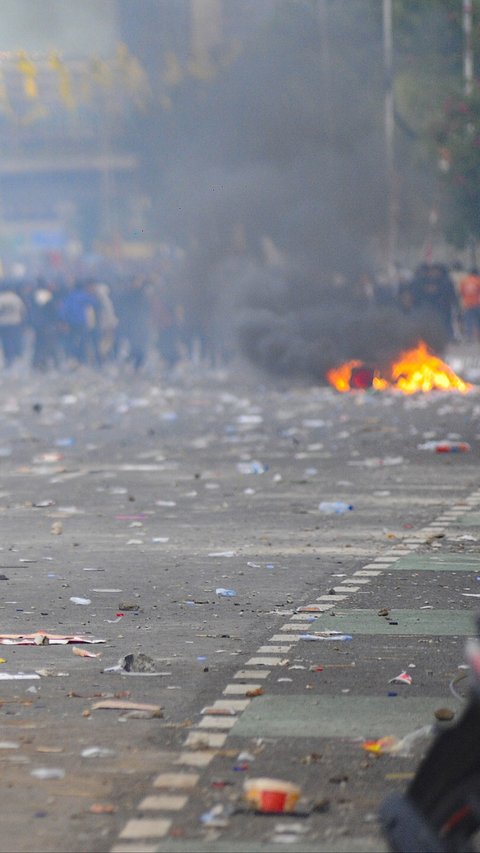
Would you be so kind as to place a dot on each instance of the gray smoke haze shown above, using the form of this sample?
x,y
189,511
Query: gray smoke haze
x,y
278,181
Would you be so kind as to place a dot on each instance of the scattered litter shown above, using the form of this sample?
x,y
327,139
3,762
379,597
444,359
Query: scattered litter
x,y
394,745
84,653
225,593
51,672
78,600
47,457
223,554
103,589
271,795
124,705
403,678
102,808
326,635
445,446
375,462
218,816
17,676
136,664
253,467
287,833
97,752
334,507
40,638
250,419
46,773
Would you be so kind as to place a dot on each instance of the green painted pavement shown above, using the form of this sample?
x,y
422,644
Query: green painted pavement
x,y
444,563
471,518
410,622
338,716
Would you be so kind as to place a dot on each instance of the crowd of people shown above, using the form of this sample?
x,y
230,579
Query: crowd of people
x,y
60,323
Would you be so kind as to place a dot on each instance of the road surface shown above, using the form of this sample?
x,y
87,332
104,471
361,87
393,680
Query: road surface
x,y
127,504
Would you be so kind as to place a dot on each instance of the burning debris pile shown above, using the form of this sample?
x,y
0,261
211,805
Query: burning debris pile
x,y
414,370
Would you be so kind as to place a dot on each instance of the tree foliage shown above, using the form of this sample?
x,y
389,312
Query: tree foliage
x,y
430,93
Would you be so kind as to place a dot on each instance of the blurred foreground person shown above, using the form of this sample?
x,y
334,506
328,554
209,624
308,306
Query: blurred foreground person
x,y
12,316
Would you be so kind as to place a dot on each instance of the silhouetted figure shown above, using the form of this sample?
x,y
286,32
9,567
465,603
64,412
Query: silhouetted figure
x,y
44,321
133,307
433,290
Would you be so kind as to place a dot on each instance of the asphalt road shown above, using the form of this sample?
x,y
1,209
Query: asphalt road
x,y
126,504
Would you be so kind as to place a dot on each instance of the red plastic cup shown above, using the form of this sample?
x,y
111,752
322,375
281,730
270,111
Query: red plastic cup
x,y
272,796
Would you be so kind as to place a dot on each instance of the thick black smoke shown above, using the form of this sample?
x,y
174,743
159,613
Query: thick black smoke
x,y
289,333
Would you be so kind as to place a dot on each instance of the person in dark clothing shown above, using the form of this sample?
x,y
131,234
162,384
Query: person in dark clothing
x,y
133,309
44,321
165,325
405,299
433,289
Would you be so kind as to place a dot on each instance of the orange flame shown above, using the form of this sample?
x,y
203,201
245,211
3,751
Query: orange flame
x,y
415,370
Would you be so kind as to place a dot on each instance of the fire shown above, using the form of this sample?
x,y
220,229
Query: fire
x,y
415,370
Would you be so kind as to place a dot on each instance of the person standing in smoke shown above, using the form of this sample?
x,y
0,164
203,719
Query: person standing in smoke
x,y
165,326
133,308
44,321
433,290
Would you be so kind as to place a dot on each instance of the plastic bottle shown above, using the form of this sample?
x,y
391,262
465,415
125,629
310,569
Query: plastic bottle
x,y
445,446
452,447
331,507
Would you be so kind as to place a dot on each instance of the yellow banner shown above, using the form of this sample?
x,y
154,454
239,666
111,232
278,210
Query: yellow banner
x,y
29,72
64,82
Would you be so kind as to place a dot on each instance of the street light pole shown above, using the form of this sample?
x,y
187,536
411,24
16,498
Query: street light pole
x,y
389,121
467,51
467,23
